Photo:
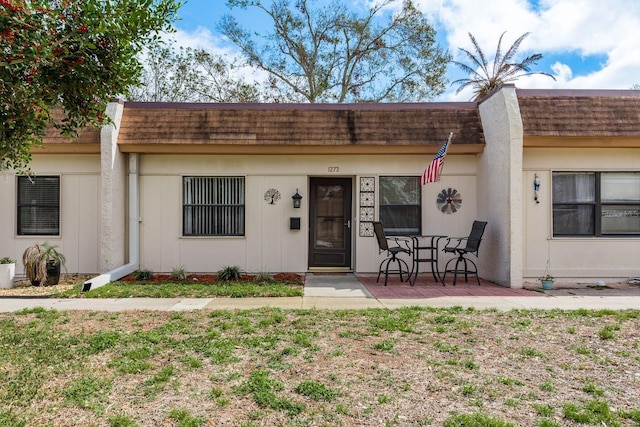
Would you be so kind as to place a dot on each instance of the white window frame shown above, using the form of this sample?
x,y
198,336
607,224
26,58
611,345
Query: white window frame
x,y
598,207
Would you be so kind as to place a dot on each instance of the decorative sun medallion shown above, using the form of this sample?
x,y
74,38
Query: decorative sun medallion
x,y
271,196
449,201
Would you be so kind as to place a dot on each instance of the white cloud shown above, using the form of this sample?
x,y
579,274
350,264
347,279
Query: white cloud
x,y
562,30
200,38
562,72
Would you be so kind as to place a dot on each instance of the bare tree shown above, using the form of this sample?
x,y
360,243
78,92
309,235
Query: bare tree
x,y
191,75
484,78
332,54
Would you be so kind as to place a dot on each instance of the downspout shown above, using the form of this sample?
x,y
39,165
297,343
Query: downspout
x,y
134,234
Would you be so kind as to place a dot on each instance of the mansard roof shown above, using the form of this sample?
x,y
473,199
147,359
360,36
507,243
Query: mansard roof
x,y
580,113
550,118
159,127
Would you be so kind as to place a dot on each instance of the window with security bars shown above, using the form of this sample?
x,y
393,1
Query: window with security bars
x,y
596,203
213,206
38,205
400,205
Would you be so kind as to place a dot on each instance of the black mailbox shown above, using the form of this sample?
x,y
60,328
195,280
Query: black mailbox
x,y
294,223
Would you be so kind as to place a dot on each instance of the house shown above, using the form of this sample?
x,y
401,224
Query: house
x,y
555,173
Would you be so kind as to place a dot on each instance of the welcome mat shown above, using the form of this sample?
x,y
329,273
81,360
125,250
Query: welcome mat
x,y
426,287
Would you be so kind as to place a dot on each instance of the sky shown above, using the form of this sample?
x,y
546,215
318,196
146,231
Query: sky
x,y
586,44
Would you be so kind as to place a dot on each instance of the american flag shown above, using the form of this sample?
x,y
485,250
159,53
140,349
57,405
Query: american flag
x,y
432,172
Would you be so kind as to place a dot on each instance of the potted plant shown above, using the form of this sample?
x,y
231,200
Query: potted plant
x,y
42,264
547,281
7,272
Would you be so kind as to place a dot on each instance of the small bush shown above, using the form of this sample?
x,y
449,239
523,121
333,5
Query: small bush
x,y
264,276
179,273
230,273
142,274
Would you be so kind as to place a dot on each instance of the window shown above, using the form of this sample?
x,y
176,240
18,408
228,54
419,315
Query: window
x,y
213,206
596,203
400,201
38,206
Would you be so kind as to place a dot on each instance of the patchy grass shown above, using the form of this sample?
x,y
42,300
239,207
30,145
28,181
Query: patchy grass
x,y
376,367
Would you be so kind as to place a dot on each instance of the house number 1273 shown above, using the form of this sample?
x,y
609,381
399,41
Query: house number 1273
x,y
334,169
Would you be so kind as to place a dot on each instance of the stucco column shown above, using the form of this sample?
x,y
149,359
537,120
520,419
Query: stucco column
x,y
500,188
113,189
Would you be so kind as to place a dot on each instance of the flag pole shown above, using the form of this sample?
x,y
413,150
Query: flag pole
x,y
445,151
433,170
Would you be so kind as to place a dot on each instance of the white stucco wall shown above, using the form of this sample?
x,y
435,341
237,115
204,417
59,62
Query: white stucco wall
x,y
79,211
269,244
585,259
499,189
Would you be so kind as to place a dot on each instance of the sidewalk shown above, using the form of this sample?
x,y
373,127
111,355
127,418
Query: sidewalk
x,y
347,291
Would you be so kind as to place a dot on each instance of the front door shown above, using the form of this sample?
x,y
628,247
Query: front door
x,y
330,222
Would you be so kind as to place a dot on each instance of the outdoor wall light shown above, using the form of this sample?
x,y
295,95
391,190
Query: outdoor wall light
x,y
296,199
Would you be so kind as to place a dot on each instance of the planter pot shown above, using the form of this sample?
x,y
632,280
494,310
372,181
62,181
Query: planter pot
x,y
7,273
53,274
547,284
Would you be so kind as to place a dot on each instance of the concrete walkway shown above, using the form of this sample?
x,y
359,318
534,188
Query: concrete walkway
x,y
336,292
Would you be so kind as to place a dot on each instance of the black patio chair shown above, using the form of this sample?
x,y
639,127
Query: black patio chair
x,y
462,246
392,254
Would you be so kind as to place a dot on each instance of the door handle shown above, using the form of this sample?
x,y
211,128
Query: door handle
x,y
348,224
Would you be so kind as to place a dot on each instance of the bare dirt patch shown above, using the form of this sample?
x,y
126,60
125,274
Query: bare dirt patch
x,y
407,367
24,288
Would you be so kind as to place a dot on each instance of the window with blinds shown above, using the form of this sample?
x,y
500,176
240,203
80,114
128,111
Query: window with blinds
x,y
38,206
213,206
400,205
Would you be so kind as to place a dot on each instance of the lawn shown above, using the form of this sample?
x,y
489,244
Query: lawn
x,y
275,367
165,286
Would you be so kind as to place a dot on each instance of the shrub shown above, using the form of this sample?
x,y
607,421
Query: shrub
x,y
230,273
179,273
142,274
264,276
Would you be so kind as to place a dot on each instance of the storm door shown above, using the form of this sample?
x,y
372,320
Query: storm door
x,y
330,223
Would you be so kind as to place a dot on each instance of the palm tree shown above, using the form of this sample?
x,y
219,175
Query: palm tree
x,y
503,70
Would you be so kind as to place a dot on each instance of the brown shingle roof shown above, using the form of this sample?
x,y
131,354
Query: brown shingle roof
x,y
87,141
301,124
85,136
580,113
